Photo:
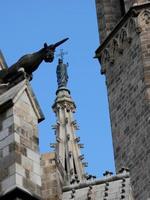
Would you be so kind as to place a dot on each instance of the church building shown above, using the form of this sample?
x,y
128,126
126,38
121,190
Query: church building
x,y
124,55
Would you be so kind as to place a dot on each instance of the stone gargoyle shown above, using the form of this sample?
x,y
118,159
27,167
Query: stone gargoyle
x,y
30,62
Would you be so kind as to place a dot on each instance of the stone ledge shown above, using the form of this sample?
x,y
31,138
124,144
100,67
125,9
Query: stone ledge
x,y
97,182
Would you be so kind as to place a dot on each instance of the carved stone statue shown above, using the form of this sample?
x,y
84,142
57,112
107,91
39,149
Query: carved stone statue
x,y
30,62
62,75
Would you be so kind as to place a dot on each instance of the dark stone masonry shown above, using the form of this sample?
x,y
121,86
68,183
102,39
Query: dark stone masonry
x,y
125,58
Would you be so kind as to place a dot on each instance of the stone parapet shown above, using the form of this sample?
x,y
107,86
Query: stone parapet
x,y
113,187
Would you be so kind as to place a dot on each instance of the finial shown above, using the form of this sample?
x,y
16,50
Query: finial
x,y
107,173
61,54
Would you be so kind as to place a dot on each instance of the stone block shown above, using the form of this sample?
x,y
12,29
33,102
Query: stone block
x,y
4,133
7,122
9,112
17,120
36,179
5,151
12,169
20,170
26,163
8,183
4,173
29,185
19,180
36,168
8,140
33,155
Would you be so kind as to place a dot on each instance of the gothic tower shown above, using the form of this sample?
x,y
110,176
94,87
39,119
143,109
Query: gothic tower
x,y
124,53
67,143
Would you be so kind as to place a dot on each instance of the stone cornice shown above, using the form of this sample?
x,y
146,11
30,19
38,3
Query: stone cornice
x,y
132,12
97,182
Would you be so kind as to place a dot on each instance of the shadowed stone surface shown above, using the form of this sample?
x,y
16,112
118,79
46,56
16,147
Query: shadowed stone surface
x,y
125,61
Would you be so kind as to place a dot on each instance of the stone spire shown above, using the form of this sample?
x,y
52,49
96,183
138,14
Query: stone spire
x,y
67,145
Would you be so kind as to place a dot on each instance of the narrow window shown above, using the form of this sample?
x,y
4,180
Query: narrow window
x,y
66,168
75,170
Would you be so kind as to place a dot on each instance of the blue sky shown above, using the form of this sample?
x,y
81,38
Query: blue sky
x,y
25,26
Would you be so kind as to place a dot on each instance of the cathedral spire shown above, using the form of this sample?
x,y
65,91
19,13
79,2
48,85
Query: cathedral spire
x,y
67,143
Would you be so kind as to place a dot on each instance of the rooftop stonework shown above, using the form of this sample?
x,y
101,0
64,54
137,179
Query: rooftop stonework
x,y
111,187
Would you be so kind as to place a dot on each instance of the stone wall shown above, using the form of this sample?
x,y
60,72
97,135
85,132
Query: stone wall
x,y
108,14
19,153
25,124
51,178
125,60
7,153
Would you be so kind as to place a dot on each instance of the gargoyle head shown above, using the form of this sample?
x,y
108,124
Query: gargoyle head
x,y
48,53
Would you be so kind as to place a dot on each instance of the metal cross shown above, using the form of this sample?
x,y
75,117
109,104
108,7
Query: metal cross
x,y
61,54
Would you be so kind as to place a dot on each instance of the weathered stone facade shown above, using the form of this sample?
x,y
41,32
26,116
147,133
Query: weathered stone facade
x,y
108,188
19,151
108,14
125,59
52,181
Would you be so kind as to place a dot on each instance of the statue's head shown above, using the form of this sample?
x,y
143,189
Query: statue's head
x,y
48,53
